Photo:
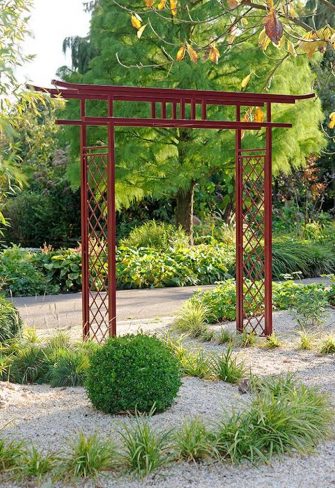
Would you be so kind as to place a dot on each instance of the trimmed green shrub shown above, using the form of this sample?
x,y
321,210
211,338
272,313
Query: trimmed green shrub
x,y
133,373
10,320
156,235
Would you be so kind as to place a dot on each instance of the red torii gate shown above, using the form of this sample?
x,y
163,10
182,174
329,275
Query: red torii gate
x,y
253,189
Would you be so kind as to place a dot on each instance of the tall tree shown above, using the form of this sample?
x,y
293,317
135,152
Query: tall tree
x,y
143,52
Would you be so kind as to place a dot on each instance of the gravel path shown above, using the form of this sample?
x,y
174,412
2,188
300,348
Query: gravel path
x,y
50,418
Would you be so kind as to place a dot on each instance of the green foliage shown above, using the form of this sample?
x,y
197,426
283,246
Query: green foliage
x,y
70,368
328,345
246,339
272,341
142,268
310,258
144,449
305,341
36,465
227,368
156,235
225,336
291,418
29,364
20,276
196,363
309,307
89,456
63,267
193,441
10,321
132,373
191,319
11,453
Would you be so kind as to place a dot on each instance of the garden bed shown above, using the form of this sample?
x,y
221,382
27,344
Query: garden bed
x,y
51,418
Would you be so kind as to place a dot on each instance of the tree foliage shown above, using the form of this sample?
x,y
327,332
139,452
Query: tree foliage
x,y
173,51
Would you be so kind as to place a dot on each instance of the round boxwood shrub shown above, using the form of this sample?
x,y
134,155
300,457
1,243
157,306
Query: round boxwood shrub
x,y
10,321
133,373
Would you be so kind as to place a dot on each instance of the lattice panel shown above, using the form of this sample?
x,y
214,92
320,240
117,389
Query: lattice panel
x,y
252,163
97,214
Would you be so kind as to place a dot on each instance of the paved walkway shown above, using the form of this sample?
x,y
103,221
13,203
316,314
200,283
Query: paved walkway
x,y
135,306
45,312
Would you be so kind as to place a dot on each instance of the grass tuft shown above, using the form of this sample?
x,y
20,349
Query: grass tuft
x,y
224,336
305,341
191,319
290,417
196,363
144,449
11,455
328,346
227,368
37,465
193,441
272,341
246,339
88,457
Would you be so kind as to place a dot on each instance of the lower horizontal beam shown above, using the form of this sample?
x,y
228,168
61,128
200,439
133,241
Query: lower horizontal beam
x,y
192,124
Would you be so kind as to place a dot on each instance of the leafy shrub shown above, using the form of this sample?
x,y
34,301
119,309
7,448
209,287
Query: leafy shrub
x,y
144,449
144,268
309,307
62,267
220,302
156,235
10,321
20,276
133,373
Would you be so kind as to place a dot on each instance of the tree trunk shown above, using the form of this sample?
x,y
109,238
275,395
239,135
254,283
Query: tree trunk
x,y
184,210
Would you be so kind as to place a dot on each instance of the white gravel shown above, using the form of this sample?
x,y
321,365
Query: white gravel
x,y
51,418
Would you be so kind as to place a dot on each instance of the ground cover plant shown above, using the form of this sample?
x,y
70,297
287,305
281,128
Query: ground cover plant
x,y
283,416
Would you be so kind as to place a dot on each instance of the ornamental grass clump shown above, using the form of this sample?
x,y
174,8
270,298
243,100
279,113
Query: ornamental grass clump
x,y
279,420
328,346
193,441
191,319
10,321
144,450
89,456
36,465
11,455
69,369
133,373
227,368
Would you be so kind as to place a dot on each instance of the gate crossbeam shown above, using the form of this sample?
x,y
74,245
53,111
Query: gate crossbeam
x,y
253,191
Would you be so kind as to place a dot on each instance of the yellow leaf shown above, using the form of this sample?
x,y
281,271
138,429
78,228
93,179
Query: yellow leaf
x,y
331,124
214,54
270,4
192,54
149,3
263,40
291,48
173,7
161,4
181,53
259,115
291,11
245,81
332,40
136,21
141,30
